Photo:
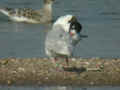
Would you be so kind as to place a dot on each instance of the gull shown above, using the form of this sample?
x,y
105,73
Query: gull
x,y
63,38
29,15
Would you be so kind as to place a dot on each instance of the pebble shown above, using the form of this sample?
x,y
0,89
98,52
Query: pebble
x,y
21,69
91,83
9,82
73,59
46,78
4,62
14,72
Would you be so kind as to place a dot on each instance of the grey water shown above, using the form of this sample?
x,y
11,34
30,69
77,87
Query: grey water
x,y
100,20
57,88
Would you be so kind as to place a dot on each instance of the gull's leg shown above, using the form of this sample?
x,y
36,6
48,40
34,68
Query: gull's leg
x,y
67,61
54,60
57,65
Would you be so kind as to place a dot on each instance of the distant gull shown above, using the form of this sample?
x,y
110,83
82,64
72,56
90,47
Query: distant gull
x,y
29,15
64,36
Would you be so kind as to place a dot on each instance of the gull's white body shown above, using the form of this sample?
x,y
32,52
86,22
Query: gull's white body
x,y
58,41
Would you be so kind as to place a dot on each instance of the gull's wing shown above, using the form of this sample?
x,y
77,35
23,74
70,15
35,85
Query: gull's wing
x,y
26,13
59,42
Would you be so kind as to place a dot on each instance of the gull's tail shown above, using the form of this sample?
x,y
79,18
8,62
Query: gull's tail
x,y
6,11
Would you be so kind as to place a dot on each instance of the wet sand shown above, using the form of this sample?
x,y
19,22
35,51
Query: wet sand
x,y
41,71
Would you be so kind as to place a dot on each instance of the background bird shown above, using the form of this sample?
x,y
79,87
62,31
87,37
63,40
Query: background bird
x,y
63,37
29,15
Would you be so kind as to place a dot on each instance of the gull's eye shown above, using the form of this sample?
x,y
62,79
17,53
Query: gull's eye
x,y
73,27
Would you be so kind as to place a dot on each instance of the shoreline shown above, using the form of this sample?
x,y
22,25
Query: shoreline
x,y
42,72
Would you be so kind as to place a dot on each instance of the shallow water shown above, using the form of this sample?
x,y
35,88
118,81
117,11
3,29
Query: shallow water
x,y
58,88
100,20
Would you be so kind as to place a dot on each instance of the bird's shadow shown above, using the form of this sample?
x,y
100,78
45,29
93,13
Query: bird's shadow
x,y
75,69
83,36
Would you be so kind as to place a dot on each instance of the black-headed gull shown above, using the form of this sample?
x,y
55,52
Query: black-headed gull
x,y
63,37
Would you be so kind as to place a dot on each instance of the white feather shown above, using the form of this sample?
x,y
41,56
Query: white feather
x,y
64,22
4,12
17,18
22,19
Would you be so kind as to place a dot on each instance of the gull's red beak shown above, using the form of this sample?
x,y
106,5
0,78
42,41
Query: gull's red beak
x,y
72,33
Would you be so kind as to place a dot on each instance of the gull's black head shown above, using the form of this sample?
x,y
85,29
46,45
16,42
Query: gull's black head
x,y
75,26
